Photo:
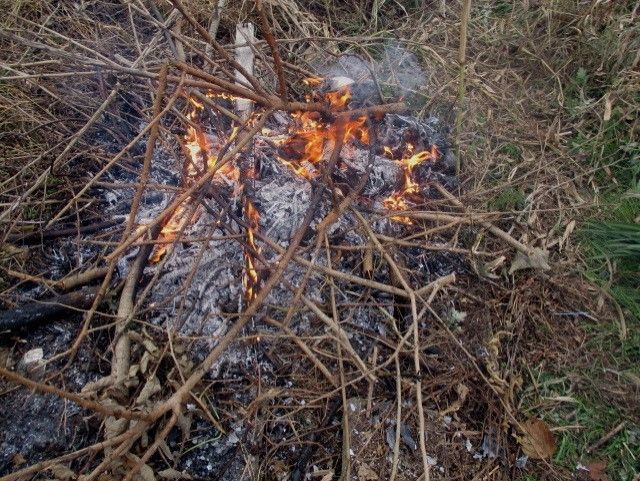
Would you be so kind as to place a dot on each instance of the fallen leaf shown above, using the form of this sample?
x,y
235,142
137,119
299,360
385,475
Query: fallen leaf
x,y
365,473
535,259
61,472
462,391
487,269
567,232
151,387
596,471
608,106
328,477
18,459
145,472
173,474
537,440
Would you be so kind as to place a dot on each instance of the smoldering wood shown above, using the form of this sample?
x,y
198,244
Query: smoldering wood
x,y
51,234
47,310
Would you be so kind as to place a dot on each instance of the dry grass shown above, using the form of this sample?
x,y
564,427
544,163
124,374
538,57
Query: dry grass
x,y
535,147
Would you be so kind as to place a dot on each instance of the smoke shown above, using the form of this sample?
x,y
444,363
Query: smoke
x,y
397,70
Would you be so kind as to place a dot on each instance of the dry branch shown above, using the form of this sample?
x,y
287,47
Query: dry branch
x,y
48,309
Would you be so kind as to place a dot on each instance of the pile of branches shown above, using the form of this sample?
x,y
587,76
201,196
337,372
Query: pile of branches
x,y
181,58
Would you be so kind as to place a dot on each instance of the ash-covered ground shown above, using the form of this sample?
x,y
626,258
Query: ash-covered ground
x,y
196,288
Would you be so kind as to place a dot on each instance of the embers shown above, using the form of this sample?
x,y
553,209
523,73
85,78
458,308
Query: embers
x,y
403,155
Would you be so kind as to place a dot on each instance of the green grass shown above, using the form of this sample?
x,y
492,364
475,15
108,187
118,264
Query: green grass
x,y
587,417
509,199
613,248
512,150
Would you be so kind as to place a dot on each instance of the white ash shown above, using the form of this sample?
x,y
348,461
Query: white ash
x,y
283,202
385,176
194,293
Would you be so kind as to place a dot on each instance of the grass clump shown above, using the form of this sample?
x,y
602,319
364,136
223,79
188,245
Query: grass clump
x,y
509,199
614,249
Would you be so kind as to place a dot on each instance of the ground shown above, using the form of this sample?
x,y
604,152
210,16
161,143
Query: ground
x,y
546,132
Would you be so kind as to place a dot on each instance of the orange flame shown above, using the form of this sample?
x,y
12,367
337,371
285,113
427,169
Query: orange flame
x,y
339,98
313,138
398,201
199,159
251,278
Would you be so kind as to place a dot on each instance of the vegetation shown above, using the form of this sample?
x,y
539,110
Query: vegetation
x,y
551,158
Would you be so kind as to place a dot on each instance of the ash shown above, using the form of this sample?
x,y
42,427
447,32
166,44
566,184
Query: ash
x,y
198,288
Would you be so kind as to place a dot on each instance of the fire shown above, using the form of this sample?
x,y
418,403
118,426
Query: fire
x,y
399,200
308,144
251,278
340,98
313,138
199,158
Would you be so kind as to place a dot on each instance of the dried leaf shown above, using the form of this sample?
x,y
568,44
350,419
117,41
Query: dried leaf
x,y
328,477
537,440
608,107
535,259
145,473
567,232
62,472
144,362
114,427
597,471
151,387
487,269
365,473
173,474
367,263
150,346
18,459
462,391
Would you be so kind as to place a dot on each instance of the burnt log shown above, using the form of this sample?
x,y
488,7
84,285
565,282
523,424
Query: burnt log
x,y
36,312
51,234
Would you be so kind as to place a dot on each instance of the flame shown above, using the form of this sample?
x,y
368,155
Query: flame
x,y
339,98
197,147
399,200
251,278
313,138
308,143
416,159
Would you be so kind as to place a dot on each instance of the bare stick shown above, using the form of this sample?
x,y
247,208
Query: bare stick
x,y
271,41
244,57
80,401
202,31
42,466
306,350
213,25
47,309
396,444
462,62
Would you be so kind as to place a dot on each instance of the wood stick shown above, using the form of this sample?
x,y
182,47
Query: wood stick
x,y
244,56
462,62
50,234
213,26
203,32
271,41
48,309
117,412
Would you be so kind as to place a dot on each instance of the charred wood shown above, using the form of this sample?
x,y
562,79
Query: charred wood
x,y
50,309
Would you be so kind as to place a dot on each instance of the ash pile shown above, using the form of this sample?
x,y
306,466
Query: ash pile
x,y
229,237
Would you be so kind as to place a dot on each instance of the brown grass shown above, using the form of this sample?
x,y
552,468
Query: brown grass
x,y
521,114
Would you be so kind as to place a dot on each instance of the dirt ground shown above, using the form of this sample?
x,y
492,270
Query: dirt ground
x,y
517,362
